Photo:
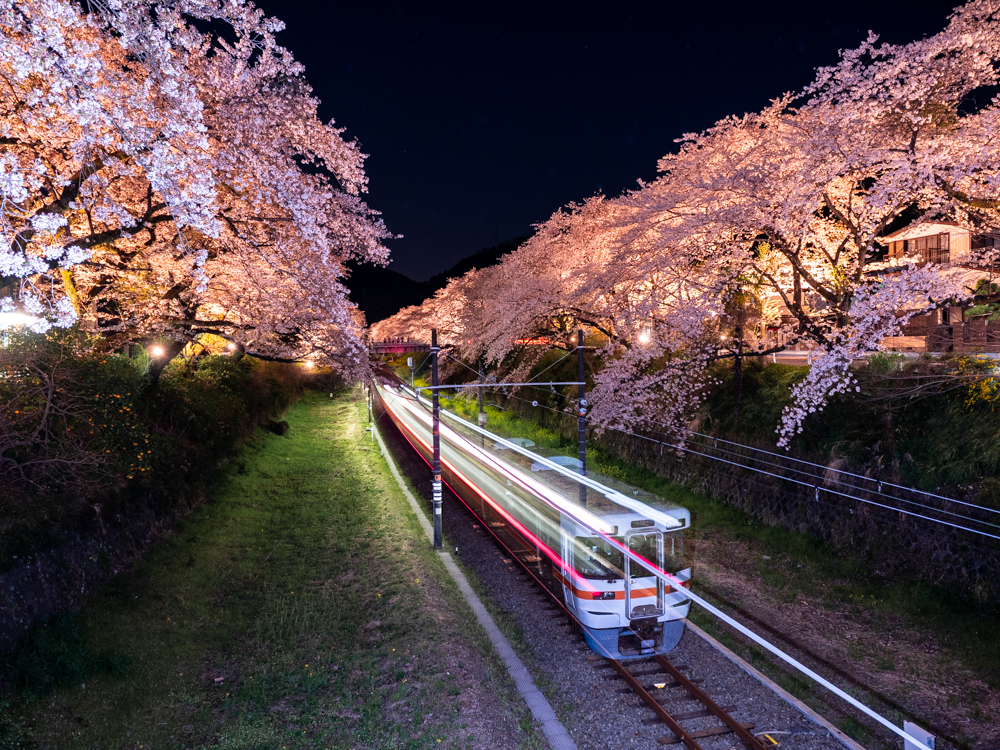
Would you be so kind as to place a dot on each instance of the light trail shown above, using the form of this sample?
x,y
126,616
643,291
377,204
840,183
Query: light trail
x,y
555,557
669,579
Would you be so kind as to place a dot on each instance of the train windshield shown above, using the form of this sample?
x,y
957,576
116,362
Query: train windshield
x,y
594,557
648,546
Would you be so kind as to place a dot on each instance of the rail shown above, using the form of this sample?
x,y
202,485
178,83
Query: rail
x,y
677,585
525,558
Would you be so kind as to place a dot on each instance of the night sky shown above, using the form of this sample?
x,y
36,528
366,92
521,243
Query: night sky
x,y
483,118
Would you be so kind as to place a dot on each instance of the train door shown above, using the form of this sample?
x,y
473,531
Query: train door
x,y
640,583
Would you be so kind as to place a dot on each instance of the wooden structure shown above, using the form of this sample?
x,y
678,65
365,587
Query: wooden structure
x,y
398,346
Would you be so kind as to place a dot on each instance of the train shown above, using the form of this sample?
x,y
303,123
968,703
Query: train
x,y
571,542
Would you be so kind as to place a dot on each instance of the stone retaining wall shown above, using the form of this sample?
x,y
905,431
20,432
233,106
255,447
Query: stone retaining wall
x,y
74,568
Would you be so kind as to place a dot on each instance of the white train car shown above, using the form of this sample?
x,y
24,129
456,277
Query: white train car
x,y
576,551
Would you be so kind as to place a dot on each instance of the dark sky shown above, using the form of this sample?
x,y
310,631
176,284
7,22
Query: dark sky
x,y
483,118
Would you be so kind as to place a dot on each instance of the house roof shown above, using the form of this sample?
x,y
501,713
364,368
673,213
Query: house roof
x,y
923,229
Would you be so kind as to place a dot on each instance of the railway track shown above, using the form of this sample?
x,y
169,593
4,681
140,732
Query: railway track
x,y
673,698
677,690
661,686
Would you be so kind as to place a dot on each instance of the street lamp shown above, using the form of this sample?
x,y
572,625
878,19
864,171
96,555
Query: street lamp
x,y
157,351
14,319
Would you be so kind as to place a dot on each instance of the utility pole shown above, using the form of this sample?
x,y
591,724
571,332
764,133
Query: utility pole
x,y
482,411
581,422
436,431
409,363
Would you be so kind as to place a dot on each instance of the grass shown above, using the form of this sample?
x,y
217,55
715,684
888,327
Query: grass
x,y
300,608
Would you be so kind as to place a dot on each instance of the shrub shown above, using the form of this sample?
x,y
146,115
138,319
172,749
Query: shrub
x,y
86,435
53,654
882,363
988,493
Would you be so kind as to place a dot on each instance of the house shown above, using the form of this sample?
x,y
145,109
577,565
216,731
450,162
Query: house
x,y
950,329
931,242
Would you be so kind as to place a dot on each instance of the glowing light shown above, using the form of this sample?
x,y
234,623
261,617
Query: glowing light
x,y
231,346
310,365
12,319
157,351
531,485
643,338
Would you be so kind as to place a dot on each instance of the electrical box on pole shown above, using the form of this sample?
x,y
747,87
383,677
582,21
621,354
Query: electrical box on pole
x,y
581,422
436,438
917,733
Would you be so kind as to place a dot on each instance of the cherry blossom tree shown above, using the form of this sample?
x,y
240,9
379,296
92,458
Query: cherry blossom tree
x,y
764,231
164,174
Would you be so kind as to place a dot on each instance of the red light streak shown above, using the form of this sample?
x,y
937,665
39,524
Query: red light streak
x,y
549,552
676,582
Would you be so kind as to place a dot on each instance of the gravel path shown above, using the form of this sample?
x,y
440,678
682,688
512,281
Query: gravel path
x,y
593,708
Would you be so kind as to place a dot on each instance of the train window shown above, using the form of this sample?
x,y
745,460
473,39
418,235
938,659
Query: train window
x,y
644,522
647,546
594,557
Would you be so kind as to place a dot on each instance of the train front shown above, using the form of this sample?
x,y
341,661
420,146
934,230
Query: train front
x,y
625,610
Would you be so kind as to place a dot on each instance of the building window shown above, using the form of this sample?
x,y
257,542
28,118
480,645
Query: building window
x,y
933,249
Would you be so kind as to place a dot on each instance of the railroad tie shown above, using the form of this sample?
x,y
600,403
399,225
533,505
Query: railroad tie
x,y
674,740
666,686
700,713
643,673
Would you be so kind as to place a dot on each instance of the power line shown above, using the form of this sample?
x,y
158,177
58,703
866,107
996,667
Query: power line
x,y
816,487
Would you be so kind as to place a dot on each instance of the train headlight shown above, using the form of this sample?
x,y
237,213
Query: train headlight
x,y
603,594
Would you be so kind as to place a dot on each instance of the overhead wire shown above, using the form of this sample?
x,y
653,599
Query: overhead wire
x,y
673,582
859,476
821,466
825,479
552,365
816,487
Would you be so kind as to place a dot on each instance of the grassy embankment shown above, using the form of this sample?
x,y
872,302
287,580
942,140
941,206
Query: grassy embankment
x,y
300,607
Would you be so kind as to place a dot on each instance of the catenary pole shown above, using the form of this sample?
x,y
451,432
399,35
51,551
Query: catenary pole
x,y
581,422
482,411
436,437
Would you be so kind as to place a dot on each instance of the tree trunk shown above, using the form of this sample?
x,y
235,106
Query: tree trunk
x,y
738,374
156,364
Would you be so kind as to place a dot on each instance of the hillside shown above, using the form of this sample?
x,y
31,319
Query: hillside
x,y
382,292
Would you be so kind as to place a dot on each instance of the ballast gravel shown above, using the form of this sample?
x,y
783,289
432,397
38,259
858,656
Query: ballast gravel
x,y
594,704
